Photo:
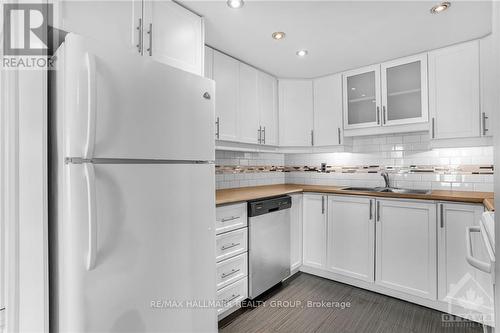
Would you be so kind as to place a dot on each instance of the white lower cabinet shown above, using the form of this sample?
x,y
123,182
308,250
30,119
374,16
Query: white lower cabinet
x,y
296,233
460,285
231,296
314,231
406,247
351,237
231,257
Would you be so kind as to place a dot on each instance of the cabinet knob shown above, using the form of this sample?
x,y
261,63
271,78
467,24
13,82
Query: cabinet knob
x,y
206,95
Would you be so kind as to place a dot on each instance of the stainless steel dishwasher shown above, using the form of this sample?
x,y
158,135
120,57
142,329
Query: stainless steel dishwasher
x,y
268,243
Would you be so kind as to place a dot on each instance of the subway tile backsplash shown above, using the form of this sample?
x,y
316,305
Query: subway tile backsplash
x,y
409,158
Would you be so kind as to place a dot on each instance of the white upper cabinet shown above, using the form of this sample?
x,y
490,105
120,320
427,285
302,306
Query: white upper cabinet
x,y
362,97
351,237
314,230
454,101
404,91
268,108
226,73
209,62
386,98
164,23
488,89
296,113
328,110
406,247
248,108
92,19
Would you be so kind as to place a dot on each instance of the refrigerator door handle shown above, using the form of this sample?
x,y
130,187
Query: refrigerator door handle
x,y
91,215
91,105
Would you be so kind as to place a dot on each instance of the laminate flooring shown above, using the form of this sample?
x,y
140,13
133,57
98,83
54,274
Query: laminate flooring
x,y
352,310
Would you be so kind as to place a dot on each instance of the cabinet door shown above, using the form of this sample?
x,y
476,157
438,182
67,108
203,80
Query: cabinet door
x,y
453,269
296,232
173,35
92,19
351,237
226,72
209,62
314,231
328,110
406,247
295,112
248,109
454,91
362,97
404,91
268,108
488,92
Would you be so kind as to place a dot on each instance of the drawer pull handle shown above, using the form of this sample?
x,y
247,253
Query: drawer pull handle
x,y
232,298
233,271
226,219
225,247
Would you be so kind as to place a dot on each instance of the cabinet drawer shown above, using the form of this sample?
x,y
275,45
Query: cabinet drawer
x,y
231,270
230,244
230,217
232,295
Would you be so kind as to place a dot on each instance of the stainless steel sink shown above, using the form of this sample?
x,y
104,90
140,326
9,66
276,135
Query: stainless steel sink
x,y
363,189
387,190
404,191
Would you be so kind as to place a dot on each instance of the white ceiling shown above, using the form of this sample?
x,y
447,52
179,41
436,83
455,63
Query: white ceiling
x,y
339,35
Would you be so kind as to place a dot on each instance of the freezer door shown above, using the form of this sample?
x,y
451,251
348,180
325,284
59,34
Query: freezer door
x,y
136,248
118,104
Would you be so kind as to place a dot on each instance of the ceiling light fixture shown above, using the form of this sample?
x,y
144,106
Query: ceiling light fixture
x,y
235,4
302,53
441,7
278,35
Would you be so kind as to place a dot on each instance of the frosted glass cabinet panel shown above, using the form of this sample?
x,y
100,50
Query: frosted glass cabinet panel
x,y
362,97
404,91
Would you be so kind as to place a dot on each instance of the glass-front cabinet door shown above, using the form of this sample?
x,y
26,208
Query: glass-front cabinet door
x,y
362,97
404,91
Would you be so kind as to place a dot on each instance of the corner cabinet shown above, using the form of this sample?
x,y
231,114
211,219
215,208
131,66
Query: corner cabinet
x,y
406,247
386,98
314,230
296,113
454,91
328,129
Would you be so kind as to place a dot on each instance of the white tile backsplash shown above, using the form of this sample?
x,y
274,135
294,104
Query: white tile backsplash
x,y
382,150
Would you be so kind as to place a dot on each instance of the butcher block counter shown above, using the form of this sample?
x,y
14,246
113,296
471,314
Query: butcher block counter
x,y
241,194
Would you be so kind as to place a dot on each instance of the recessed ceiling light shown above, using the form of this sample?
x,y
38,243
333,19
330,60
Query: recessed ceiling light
x,y
278,35
235,3
302,53
440,7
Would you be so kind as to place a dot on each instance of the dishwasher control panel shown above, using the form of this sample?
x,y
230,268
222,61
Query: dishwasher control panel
x,y
260,207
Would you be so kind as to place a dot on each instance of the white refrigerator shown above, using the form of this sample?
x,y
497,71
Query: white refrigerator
x,y
132,193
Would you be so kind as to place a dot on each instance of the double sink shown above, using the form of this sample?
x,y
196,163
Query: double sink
x,y
387,190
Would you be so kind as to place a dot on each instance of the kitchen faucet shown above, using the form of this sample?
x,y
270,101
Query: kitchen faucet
x,y
386,179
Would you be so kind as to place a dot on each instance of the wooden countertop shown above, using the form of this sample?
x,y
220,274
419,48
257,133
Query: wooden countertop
x,y
241,194
489,203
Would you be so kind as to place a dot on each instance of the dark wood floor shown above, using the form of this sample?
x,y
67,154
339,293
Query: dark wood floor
x,y
368,311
